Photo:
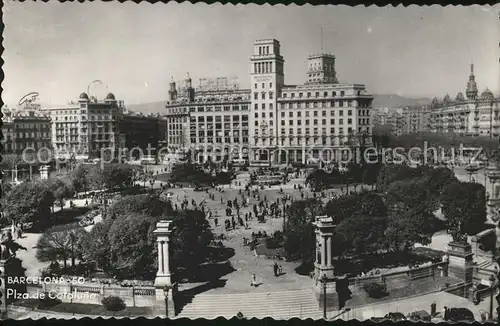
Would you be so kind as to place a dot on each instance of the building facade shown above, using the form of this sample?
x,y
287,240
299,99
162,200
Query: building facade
x,y
212,120
403,120
473,115
275,122
25,129
88,128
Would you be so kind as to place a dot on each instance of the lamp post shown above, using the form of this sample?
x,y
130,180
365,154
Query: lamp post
x,y
324,280
166,289
492,285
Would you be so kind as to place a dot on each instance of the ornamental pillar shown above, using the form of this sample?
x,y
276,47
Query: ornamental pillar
x,y
164,290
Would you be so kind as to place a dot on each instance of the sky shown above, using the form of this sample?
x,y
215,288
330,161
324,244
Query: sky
x,y
58,49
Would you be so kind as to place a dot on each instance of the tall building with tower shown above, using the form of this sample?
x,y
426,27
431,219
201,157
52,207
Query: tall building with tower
x,y
266,82
276,123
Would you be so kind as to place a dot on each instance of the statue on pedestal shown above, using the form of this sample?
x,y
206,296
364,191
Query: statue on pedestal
x,y
455,230
8,247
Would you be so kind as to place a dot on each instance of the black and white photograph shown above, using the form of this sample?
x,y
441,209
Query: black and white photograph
x,y
249,161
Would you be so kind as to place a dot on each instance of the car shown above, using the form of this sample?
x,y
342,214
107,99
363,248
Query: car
x,y
460,315
395,316
420,316
392,316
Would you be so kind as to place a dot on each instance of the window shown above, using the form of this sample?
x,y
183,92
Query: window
x,y
263,114
263,106
300,95
323,121
349,112
263,85
317,94
315,122
255,86
255,96
256,115
334,93
293,95
342,93
308,94
315,113
282,122
299,122
290,114
270,95
341,121
349,121
299,114
325,94
263,95
323,113
290,122
284,95
270,106
282,114
307,122
332,121
332,131
270,85
341,113
341,104
307,114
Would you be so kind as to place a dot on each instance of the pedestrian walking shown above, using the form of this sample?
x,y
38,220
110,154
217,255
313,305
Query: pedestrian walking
x,y
275,268
253,282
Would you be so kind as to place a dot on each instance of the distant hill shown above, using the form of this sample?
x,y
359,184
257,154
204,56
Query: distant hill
x,y
147,108
394,101
384,100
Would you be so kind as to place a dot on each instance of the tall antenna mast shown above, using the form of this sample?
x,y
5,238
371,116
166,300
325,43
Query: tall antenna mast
x,y
321,26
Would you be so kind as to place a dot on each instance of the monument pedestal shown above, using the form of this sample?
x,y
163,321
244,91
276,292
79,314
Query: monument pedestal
x,y
460,263
164,291
11,269
332,297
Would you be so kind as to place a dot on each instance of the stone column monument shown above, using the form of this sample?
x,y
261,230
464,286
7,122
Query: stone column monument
x,y
323,267
163,282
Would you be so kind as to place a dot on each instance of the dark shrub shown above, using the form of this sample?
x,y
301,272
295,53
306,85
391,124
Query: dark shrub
x,y
375,290
47,301
113,303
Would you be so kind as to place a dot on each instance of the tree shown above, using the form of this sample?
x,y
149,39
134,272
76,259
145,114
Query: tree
x,y
190,239
12,161
362,234
55,245
117,176
61,189
132,246
464,207
319,180
411,219
298,231
147,204
28,203
125,245
358,204
79,178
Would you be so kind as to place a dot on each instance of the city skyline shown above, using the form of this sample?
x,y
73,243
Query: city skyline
x,y
56,52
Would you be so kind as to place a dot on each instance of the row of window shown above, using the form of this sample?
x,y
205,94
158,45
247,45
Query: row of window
x,y
361,121
322,104
220,133
219,126
315,113
263,95
218,118
264,85
25,135
218,140
225,108
317,94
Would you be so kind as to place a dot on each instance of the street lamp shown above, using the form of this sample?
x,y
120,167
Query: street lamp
x,y
492,285
324,280
165,290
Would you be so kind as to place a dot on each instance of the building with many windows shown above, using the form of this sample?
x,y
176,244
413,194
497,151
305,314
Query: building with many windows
x,y
473,115
275,122
403,120
213,119
88,127
23,129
